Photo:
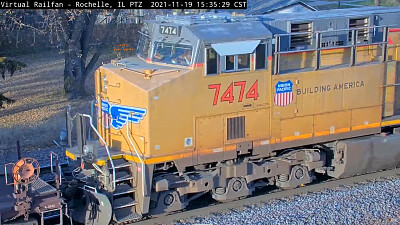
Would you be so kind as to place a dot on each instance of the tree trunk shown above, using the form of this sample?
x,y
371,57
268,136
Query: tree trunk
x,y
77,47
74,75
377,2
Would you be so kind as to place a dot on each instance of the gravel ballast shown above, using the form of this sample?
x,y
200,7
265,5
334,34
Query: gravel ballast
x,y
373,202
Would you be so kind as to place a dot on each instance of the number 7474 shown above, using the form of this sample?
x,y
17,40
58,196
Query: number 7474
x,y
252,93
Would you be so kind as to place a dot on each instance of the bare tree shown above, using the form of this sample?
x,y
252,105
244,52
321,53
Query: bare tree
x,y
74,32
77,37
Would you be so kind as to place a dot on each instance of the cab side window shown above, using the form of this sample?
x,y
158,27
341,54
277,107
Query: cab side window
x,y
229,63
231,57
261,62
244,62
237,63
211,62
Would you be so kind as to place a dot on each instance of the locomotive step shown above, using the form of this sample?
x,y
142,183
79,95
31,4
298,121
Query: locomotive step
x,y
126,215
124,202
123,189
119,163
122,176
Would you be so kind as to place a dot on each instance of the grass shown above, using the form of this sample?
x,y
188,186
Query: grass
x,y
38,114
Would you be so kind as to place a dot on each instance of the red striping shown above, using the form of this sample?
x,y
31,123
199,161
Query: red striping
x,y
283,99
394,30
269,57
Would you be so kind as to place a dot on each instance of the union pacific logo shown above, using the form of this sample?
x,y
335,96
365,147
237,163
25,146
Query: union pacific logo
x,y
283,93
116,116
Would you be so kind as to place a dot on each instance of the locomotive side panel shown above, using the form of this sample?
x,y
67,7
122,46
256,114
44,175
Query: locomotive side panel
x,y
187,102
321,104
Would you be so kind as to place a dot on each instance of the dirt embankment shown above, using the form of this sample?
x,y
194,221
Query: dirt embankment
x,y
38,114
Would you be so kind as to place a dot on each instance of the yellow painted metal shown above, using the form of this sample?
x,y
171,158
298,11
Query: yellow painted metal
x,y
207,138
389,123
332,123
70,155
185,119
364,118
302,130
122,91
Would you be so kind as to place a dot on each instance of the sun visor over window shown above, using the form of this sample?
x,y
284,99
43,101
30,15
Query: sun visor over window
x,y
236,47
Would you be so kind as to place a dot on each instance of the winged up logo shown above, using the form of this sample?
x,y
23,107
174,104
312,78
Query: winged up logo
x,y
116,116
283,93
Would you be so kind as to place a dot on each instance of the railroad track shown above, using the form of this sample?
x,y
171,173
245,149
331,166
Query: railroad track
x,y
268,195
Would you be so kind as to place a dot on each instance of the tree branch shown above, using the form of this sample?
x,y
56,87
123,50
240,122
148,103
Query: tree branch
x,y
25,25
87,33
100,48
63,25
77,28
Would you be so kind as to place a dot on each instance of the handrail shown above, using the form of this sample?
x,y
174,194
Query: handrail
x,y
329,31
317,49
390,85
5,173
85,187
328,48
91,114
97,168
57,164
105,144
140,158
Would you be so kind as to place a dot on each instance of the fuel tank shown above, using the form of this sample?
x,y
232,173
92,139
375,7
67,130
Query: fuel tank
x,y
365,154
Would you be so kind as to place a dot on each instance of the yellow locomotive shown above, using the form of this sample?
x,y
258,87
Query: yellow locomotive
x,y
227,104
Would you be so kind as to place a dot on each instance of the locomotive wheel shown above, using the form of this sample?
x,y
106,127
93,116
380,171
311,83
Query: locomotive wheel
x,y
237,188
167,201
298,175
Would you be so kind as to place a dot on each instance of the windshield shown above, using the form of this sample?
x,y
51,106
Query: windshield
x,y
170,53
143,46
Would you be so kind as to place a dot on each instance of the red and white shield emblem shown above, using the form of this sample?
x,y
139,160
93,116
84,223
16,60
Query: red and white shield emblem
x,y
283,93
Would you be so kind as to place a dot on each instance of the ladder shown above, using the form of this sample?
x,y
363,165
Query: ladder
x,y
123,185
123,197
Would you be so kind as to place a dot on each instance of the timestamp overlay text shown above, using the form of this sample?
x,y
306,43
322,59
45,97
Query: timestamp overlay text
x,y
122,4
